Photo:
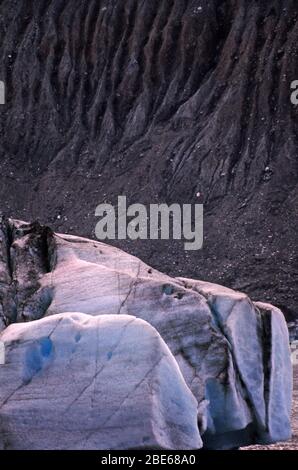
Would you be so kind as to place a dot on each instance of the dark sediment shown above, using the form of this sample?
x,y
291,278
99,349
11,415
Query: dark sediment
x,y
159,100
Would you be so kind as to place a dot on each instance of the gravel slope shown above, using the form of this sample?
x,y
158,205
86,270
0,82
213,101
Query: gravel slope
x,y
159,100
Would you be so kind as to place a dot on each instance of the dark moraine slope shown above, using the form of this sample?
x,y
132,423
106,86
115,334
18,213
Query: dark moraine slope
x,y
159,100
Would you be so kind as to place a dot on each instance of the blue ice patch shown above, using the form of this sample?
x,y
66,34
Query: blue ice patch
x,y
36,358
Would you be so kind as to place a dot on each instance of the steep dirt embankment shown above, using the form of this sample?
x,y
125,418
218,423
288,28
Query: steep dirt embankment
x,y
159,100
